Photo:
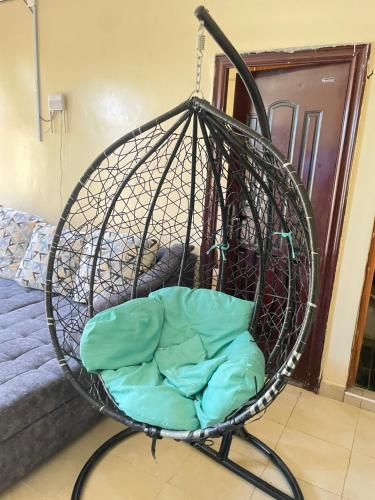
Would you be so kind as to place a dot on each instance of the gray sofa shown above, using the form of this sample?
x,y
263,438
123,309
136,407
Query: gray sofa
x,y
40,412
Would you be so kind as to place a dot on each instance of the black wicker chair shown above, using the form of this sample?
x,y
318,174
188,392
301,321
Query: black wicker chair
x,y
201,182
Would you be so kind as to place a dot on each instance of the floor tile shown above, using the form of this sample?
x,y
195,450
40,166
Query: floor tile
x,y
200,478
266,430
313,460
325,418
309,491
364,440
293,389
170,492
115,479
62,469
244,454
367,414
169,455
56,474
22,491
281,408
360,480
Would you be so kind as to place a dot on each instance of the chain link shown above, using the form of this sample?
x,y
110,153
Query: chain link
x,y
200,49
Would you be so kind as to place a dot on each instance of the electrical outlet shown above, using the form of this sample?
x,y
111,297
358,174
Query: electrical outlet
x,y
56,102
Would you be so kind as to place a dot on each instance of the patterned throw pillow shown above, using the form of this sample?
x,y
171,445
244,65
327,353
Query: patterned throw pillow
x,y
116,263
33,268
15,231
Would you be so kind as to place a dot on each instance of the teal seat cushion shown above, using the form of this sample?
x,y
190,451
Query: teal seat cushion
x,y
186,365
142,393
217,317
124,335
191,351
234,381
179,359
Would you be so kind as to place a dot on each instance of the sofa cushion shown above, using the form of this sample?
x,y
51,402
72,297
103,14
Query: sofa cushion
x,y
32,383
116,263
32,270
163,273
16,228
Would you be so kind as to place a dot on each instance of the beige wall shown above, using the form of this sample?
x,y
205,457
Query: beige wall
x,y
119,69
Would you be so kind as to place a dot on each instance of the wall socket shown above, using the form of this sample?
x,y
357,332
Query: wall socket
x,y
56,102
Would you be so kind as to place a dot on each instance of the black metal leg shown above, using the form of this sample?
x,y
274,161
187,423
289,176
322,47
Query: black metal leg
x,y
95,457
220,456
276,460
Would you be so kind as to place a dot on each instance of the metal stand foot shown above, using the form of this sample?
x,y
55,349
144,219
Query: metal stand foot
x,y
220,456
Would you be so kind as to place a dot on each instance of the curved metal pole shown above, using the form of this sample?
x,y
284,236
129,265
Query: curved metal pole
x,y
95,457
217,34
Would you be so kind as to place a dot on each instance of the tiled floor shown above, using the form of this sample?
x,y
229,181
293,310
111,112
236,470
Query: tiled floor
x,y
330,446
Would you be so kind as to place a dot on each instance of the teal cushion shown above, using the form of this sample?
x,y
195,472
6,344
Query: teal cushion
x,y
217,317
190,379
233,383
188,352
180,359
143,395
146,374
185,365
124,335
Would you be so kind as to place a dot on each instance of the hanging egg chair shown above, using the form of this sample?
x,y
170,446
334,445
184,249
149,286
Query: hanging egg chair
x,y
191,200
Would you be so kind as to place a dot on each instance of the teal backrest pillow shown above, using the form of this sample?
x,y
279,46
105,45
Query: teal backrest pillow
x,y
218,318
124,335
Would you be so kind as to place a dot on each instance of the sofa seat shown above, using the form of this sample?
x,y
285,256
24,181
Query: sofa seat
x,y
35,397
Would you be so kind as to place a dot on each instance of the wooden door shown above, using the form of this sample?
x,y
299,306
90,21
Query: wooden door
x,y
308,104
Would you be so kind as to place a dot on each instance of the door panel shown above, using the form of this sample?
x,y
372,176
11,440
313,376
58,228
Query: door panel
x,y
305,107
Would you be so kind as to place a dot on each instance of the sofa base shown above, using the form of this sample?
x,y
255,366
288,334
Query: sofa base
x,y
22,452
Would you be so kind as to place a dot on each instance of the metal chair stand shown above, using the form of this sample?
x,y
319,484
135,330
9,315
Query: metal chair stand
x,y
221,457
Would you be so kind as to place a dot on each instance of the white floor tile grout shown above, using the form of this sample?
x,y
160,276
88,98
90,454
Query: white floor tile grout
x,y
351,453
286,426
318,437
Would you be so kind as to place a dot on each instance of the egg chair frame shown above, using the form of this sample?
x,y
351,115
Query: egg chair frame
x,y
215,175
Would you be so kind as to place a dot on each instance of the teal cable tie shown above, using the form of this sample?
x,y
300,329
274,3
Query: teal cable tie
x,y
220,246
290,238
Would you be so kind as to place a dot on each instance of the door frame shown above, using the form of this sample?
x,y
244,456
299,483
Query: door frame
x,y
362,314
357,56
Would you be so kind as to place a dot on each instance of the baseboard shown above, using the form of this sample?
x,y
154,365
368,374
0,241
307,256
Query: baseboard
x,y
332,390
361,398
355,396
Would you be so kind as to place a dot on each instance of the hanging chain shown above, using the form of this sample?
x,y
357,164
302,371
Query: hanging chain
x,y
201,38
